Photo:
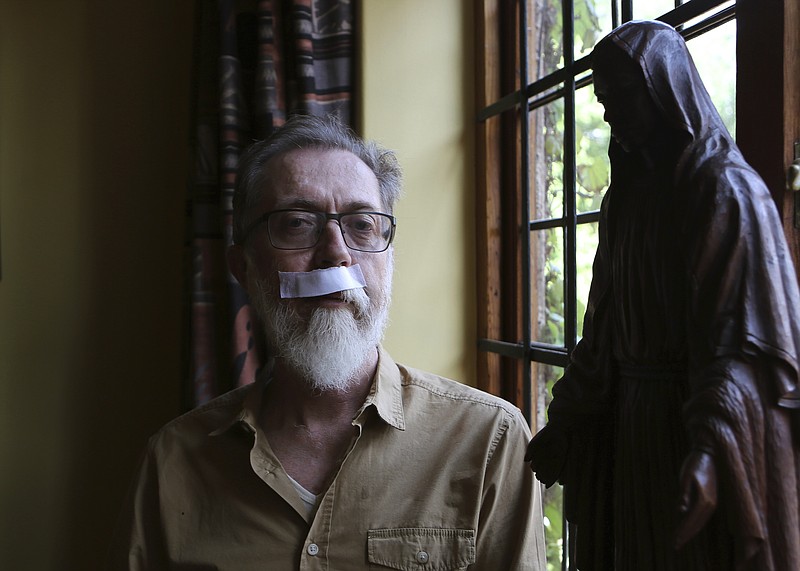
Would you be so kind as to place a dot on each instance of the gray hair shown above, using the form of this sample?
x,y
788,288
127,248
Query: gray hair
x,y
305,132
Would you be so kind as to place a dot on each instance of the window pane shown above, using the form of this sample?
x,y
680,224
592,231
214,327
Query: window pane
x,y
553,507
592,22
721,5
714,54
586,246
545,45
546,130
651,9
592,135
547,286
544,376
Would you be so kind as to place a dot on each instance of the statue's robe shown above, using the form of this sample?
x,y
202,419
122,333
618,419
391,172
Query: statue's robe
x,y
691,341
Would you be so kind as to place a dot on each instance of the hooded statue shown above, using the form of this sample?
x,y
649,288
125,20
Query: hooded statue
x,y
674,429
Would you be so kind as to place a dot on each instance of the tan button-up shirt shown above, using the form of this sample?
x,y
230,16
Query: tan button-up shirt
x,y
434,480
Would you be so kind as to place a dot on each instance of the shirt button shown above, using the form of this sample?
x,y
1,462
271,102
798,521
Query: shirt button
x,y
313,549
422,557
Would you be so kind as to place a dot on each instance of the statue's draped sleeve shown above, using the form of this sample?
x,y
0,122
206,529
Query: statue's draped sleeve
x,y
742,332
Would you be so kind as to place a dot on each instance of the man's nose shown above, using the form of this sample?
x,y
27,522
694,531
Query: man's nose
x,y
331,250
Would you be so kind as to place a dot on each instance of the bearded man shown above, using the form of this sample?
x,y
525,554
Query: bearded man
x,y
335,457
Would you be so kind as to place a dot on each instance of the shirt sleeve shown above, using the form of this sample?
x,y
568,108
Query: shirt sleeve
x,y
510,531
137,543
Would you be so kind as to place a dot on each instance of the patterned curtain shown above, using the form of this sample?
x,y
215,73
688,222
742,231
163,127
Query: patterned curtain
x,y
255,63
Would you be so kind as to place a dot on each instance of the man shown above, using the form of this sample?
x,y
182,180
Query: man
x,y
673,429
336,457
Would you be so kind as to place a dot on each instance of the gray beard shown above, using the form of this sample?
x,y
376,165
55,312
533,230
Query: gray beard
x,y
330,348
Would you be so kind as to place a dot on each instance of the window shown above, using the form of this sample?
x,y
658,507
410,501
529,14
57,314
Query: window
x,y
543,168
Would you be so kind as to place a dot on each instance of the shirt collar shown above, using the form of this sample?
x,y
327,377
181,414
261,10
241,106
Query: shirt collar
x,y
386,392
385,395
247,414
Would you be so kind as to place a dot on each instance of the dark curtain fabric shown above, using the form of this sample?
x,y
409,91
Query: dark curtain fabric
x,y
255,63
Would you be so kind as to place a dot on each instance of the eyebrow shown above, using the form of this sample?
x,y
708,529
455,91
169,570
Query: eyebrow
x,y
306,204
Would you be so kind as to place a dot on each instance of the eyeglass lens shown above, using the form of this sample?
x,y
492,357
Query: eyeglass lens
x,y
298,229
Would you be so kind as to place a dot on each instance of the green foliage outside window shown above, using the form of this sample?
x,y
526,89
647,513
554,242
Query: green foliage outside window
x,y
592,180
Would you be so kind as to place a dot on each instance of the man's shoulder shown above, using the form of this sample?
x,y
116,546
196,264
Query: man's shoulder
x,y
449,389
215,415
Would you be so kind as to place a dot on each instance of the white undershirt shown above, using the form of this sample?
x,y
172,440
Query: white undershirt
x,y
309,500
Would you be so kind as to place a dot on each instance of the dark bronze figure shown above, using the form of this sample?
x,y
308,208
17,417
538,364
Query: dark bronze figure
x,y
674,429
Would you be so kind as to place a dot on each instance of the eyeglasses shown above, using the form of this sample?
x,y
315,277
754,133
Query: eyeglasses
x,y
295,229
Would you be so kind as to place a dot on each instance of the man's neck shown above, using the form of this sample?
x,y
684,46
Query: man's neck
x,y
292,400
309,430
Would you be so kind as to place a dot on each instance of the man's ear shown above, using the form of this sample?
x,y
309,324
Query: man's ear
x,y
237,263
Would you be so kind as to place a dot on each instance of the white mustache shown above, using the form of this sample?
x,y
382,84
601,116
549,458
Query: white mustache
x,y
359,298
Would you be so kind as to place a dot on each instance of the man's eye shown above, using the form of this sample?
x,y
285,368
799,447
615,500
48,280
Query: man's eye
x,y
298,222
364,224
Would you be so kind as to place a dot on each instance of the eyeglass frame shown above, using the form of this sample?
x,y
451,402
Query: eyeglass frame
x,y
336,216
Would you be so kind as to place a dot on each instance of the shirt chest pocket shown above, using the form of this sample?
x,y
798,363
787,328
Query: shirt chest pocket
x,y
421,548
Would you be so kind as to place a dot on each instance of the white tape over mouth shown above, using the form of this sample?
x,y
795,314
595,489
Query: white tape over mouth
x,y
320,282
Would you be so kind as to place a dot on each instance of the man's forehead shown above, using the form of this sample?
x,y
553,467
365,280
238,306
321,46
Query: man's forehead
x,y
311,178
312,159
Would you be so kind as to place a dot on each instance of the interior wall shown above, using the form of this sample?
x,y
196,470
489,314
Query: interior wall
x,y
93,134
417,85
